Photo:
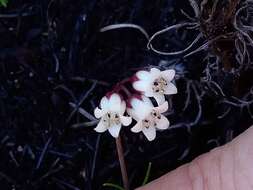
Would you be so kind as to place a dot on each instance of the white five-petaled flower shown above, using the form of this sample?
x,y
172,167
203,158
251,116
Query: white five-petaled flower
x,y
112,115
148,117
155,83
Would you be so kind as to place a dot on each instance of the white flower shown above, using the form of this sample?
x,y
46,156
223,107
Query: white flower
x,y
148,117
112,115
155,83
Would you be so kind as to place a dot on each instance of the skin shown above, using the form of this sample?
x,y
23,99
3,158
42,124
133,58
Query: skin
x,y
229,167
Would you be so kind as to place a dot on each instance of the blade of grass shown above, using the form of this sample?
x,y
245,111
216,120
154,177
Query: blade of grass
x,y
113,185
147,174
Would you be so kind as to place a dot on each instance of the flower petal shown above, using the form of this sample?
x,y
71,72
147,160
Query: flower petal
x,y
122,107
147,101
163,123
114,99
170,89
132,113
101,127
140,108
159,98
143,75
141,85
150,133
114,130
98,112
155,72
104,103
125,120
163,107
149,92
115,103
168,75
137,128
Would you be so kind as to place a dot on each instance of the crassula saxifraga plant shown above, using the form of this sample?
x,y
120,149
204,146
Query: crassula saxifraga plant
x,y
134,100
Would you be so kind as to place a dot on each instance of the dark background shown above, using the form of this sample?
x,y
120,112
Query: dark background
x,y
52,54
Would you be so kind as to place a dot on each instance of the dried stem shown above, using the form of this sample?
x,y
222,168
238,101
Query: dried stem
x,y
122,163
125,25
217,19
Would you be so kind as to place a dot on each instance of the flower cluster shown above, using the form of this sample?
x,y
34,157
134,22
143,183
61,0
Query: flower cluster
x,y
112,115
156,83
149,118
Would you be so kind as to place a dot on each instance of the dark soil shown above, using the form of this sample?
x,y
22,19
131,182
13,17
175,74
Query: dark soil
x,y
53,56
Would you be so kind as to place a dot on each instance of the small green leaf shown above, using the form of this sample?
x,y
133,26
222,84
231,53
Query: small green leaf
x,y
147,174
3,3
113,185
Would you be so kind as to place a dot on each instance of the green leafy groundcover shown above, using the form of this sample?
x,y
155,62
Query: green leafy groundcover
x,y
3,3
